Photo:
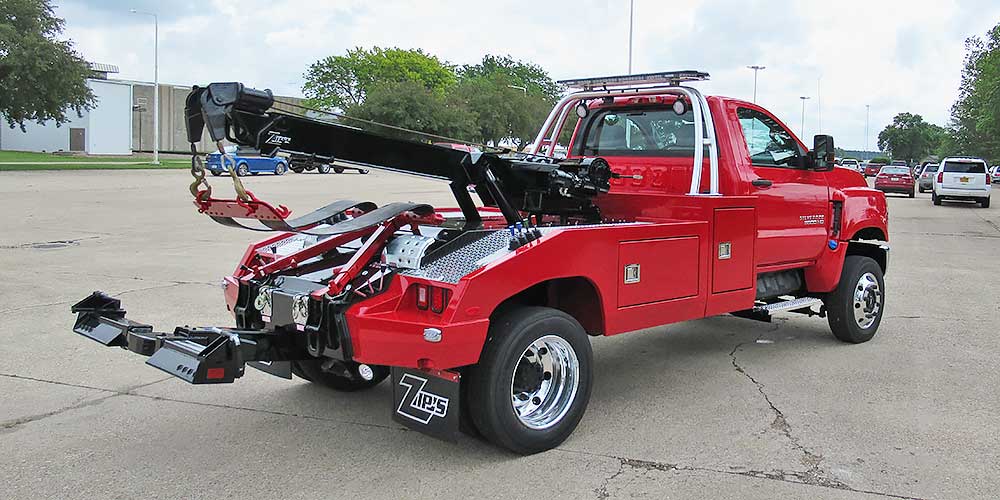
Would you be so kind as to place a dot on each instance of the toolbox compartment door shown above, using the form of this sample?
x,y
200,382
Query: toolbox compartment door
x,y
656,270
733,259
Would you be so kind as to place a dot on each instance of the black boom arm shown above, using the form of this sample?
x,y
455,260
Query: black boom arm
x,y
245,116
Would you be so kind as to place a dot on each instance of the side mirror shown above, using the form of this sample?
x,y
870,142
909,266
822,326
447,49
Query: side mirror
x,y
823,153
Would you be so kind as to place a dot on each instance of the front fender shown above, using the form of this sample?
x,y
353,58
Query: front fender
x,y
863,208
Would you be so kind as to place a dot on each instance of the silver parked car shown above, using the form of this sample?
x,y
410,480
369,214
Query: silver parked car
x,y
995,174
925,181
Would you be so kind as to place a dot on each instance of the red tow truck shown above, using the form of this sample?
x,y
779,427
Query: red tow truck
x,y
670,206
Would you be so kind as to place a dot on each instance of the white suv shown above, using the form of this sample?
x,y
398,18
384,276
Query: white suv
x,y
961,178
852,164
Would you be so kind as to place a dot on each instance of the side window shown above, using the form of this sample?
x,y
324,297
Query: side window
x,y
767,141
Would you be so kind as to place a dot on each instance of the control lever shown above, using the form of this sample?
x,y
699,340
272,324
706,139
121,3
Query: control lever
x,y
637,177
761,183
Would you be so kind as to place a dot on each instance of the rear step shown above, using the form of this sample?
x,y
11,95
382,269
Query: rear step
x,y
800,305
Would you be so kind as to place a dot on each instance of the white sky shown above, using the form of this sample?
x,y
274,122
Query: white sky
x,y
895,55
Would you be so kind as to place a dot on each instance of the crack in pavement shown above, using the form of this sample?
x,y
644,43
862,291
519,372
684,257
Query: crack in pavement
x,y
11,424
129,391
794,477
115,294
45,245
815,474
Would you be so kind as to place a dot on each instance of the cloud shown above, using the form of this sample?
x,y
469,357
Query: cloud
x,y
892,54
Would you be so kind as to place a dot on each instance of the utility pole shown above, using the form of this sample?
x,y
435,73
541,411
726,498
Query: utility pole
x,y
819,102
156,84
755,69
802,127
868,112
631,11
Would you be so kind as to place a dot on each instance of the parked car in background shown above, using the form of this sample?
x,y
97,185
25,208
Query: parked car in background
x,y
851,163
246,161
872,168
895,179
925,182
301,162
995,174
962,178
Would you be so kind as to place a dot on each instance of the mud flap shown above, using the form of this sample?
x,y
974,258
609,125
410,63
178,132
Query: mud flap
x,y
427,401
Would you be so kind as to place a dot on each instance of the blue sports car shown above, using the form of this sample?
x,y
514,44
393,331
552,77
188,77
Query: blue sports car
x,y
246,162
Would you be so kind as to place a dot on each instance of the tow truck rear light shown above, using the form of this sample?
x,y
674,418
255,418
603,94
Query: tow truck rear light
x,y
432,298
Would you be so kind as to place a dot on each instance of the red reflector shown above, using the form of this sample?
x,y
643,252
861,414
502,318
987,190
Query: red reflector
x,y
940,177
215,373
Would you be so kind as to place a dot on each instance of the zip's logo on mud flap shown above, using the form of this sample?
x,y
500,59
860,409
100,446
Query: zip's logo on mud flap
x,y
418,404
277,139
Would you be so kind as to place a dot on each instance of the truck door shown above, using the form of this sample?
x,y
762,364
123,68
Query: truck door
x,y
793,206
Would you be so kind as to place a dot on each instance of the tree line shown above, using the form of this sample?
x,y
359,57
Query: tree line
x,y
498,100
974,128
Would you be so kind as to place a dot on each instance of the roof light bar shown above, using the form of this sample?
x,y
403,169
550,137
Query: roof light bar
x,y
666,77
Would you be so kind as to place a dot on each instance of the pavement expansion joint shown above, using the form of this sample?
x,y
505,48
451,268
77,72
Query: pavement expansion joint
x,y
114,294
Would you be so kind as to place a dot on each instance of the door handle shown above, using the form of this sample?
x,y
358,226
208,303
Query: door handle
x,y
761,183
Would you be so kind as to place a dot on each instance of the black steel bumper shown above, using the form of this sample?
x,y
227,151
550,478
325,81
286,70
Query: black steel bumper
x,y
199,355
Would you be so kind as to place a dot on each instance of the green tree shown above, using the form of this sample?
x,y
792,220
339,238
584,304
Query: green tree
x,y
41,78
909,137
411,105
976,114
341,82
510,98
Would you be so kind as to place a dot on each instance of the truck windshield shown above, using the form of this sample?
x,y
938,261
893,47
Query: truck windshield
x,y
638,131
965,167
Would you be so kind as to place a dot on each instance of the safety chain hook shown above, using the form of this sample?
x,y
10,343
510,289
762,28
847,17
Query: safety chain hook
x,y
198,172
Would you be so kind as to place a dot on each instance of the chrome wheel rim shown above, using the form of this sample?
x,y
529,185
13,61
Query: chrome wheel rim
x,y
867,301
544,382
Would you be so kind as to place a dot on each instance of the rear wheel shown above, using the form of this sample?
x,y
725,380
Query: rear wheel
x,y
279,169
912,193
216,173
985,203
339,170
532,384
935,199
323,168
312,370
242,170
854,309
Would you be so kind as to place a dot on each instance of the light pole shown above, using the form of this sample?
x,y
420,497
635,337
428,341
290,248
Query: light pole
x,y
868,113
819,103
802,127
156,84
631,11
755,69
518,87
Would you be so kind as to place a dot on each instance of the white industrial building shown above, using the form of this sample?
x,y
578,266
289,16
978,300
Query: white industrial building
x,y
104,130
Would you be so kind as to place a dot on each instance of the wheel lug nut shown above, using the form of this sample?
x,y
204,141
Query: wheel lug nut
x,y
536,400
543,351
546,376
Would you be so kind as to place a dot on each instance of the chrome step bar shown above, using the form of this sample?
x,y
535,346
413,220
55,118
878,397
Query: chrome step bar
x,y
789,305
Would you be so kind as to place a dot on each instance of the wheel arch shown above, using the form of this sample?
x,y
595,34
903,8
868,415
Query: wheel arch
x,y
870,242
577,296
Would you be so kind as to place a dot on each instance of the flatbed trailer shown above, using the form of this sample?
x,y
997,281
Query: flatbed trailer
x,y
481,314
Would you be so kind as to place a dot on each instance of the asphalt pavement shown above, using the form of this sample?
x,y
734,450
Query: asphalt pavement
x,y
717,408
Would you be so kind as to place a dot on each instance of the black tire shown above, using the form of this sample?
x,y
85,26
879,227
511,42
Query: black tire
x,y
859,273
323,168
293,166
984,203
338,170
491,381
242,170
216,173
312,371
912,194
922,190
363,171
934,199
280,169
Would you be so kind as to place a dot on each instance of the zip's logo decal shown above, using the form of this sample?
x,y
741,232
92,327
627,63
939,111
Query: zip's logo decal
x,y
418,404
813,220
277,139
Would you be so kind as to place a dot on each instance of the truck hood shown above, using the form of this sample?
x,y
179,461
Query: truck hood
x,y
845,177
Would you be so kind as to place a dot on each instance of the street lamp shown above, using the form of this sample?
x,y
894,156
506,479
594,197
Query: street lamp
x,y
802,127
518,87
868,113
156,84
755,69
631,10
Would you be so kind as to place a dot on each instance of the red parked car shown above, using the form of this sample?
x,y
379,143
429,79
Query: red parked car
x,y
895,180
872,168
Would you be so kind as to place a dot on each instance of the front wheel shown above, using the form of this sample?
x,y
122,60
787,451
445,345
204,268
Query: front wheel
x,y
279,169
854,309
350,381
532,384
338,170
242,170
323,168
216,173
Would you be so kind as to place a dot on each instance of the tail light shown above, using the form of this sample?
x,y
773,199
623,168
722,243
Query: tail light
x,y
432,298
987,179
940,177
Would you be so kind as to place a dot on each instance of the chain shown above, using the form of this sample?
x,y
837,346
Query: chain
x,y
200,187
